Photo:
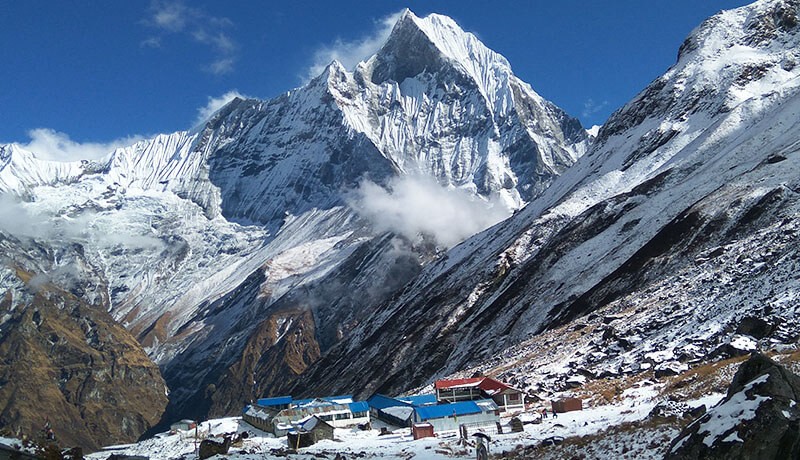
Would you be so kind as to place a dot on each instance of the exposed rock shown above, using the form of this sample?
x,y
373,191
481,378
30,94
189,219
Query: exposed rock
x,y
70,364
667,409
668,368
758,419
210,447
755,327
738,345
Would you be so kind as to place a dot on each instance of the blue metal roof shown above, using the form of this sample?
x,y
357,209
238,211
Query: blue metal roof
x,y
330,399
447,410
379,402
419,400
316,402
359,406
276,401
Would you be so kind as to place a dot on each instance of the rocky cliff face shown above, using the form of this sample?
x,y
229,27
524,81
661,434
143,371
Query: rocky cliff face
x,y
689,192
758,419
235,250
68,362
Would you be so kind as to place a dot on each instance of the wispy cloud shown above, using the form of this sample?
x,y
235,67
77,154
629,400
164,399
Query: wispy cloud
x,y
590,107
152,42
173,17
221,66
48,144
350,53
417,206
89,229
214,104
22,220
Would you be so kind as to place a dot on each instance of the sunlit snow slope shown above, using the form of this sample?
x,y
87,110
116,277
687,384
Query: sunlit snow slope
x,y
682,215
233,250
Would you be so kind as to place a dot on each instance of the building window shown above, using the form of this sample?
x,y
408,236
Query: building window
x,y
513,397
327,418
359,414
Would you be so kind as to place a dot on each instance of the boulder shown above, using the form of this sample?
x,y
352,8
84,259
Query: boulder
x,y
210,447
755,327
669,409
669,368
758,419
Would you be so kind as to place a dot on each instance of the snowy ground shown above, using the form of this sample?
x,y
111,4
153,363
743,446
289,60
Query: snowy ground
x,y
17,444
591,422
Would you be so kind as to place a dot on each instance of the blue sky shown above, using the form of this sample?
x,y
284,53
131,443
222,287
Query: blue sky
x,y
94,74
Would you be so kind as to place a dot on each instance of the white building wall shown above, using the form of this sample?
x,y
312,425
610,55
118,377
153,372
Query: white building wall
x,y
337,419
347,419
451,423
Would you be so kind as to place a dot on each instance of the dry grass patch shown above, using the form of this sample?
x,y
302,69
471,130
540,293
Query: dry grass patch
x,y
647,438
716,377
703,380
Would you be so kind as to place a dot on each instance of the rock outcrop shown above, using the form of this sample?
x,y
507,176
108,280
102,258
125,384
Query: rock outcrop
x,y
758,419
64,362
209,240
681,219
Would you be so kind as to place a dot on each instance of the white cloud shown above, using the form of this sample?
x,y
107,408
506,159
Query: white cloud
x,y
218,40
171,16
174,17
88,227
590,107
350,53
415,206
152,42
48,144
17,220
221,66
214,104
24,222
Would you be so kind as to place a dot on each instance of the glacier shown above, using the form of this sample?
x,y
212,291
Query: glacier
x,y
199,241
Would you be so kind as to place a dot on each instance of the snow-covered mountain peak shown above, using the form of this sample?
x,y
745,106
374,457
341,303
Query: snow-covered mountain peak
x,y
764,27
455,43
737,56
754,24
334,81
9,152
20,170
6,152
436,44
331,72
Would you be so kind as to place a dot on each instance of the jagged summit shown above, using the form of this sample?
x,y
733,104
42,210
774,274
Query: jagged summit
x,y
508,142
21,170
732,57
207,240
687,192
435,44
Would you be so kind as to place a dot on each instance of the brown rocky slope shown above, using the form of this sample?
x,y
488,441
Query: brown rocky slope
x,y
65,361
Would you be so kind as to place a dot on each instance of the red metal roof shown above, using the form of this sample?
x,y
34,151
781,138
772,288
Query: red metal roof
x,y
492,386
487,384
458,383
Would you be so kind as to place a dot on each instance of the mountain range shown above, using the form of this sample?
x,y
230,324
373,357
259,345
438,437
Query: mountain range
x,y
312,235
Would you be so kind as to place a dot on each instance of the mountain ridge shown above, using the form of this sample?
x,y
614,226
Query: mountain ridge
x,y
233,254
606,229
219,284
